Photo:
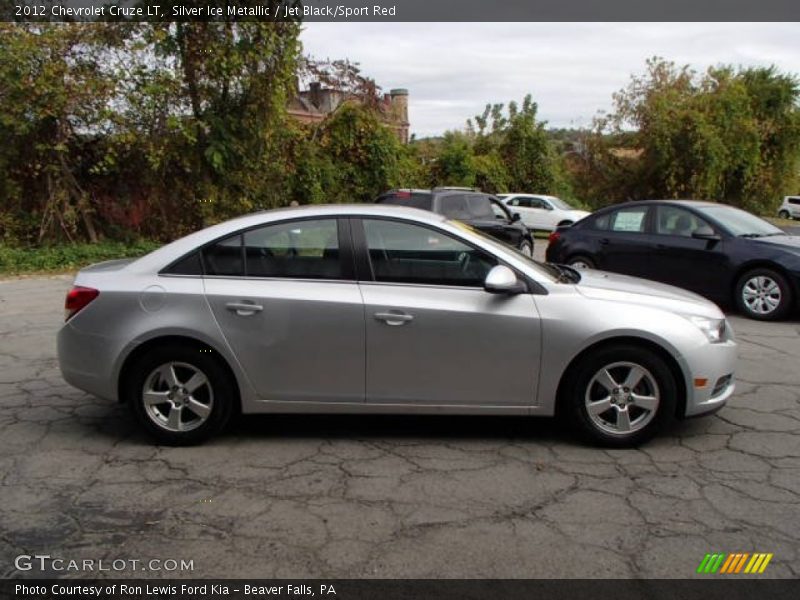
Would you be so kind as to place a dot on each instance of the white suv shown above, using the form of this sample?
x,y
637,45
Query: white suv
x,y
542,212
790,209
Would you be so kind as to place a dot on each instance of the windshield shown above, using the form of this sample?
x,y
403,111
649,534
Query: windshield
x,y
559,203
739,222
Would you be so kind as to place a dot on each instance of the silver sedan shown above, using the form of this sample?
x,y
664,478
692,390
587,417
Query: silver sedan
x,y
370,309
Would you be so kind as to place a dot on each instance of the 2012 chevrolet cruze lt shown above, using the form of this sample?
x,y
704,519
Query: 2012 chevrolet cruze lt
x,y
365,309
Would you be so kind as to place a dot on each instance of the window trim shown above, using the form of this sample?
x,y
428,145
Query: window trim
x,y
346,252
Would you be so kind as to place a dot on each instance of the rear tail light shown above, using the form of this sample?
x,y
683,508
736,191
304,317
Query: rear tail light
x,y
77,299
553,238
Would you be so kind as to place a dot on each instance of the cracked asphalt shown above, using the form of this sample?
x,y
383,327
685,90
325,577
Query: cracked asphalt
x,y
412,497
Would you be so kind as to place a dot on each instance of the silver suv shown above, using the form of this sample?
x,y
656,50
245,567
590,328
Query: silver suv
x,y
790,209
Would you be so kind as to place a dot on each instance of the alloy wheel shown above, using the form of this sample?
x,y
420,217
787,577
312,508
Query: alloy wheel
x,y
761,295
177,397
622,398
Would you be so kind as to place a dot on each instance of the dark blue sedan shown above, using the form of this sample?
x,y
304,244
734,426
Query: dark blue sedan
x,y
723,253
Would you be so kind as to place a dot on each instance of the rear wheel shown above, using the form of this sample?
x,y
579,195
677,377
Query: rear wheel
x,y
784,214
621,395
764,294
180,394
580,262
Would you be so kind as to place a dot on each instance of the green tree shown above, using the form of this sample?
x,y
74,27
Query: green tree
x,y
728,134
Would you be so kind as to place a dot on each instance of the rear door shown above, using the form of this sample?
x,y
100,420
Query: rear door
x,y
286,300
434,336
624,242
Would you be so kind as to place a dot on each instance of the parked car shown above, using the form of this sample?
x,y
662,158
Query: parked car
x,y
718,251
479,210
542,212
380,309
790,209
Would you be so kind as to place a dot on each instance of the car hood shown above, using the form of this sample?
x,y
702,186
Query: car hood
x,y
601,285
790,242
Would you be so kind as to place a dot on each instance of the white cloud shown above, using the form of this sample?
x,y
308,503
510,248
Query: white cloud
x,y
453,69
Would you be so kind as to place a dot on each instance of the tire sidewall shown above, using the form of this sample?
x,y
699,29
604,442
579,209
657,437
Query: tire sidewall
x,y
199,357
581,375
786,295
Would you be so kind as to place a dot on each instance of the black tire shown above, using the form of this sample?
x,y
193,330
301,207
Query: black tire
x,y
526,248
784,214
758,307
218,394
657,385
581,259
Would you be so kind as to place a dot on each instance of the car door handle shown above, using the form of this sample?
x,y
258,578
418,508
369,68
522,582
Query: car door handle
x,y
604,241
394,318
244,309
661,247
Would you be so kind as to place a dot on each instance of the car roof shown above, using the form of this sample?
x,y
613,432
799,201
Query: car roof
x,y
675,202
178,248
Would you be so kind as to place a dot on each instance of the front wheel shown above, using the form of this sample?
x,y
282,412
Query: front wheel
x,y
621,395
784,214
181,395
526,248
764,294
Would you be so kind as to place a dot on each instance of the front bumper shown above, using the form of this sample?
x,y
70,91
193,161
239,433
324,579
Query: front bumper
x,y
714,363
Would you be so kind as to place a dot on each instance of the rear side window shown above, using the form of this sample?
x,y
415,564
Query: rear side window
x,y
307,249
224,257
411,199
188,265
793,201
629,219
297,250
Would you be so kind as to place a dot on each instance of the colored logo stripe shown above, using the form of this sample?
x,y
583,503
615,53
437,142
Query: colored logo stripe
x,y
734,563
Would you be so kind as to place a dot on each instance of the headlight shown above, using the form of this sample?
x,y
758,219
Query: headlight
x,y
714,329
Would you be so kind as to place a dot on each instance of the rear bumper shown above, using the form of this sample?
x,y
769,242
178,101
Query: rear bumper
x,y
716,364
86,361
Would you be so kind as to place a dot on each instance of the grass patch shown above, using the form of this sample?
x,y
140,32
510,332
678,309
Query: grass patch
x,y
778,222
67,257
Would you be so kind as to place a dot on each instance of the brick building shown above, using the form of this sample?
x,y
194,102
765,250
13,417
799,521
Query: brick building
x,y
316,103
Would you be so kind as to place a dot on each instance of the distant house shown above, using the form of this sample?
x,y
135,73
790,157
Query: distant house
x,y
316,103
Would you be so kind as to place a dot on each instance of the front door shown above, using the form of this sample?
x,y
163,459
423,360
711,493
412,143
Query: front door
x,y
287,303
434,336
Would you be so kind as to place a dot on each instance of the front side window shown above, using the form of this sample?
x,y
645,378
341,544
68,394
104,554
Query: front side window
x,y
307,249
408,253
673,220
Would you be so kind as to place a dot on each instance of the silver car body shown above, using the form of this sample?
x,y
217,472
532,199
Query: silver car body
x,y
315,346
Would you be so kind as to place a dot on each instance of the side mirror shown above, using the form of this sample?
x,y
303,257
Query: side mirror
x,y
705,233
515,217
502,280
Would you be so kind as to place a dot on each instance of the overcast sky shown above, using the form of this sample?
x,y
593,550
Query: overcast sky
x,y
453,69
